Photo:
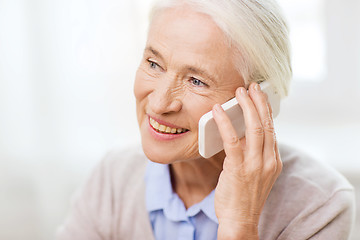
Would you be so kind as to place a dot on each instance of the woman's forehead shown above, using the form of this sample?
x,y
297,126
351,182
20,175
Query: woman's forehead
x,y
187,32
186,27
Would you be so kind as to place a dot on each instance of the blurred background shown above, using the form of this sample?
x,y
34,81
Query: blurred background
x,y
66,76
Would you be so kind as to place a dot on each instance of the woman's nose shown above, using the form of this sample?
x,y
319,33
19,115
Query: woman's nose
x,y
164,99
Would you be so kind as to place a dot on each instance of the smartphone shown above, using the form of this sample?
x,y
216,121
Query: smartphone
x,y
210,141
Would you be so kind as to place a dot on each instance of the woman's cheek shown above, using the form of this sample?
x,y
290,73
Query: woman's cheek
x,y
196,111
144,84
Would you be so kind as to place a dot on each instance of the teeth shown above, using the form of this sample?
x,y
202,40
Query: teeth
x,y
162,128
165,129
156,124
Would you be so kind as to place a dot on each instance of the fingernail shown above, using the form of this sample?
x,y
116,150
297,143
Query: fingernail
x,y
241,90
257,87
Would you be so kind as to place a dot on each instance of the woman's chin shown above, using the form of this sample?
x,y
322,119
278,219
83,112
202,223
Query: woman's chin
x,y
167,154
157,154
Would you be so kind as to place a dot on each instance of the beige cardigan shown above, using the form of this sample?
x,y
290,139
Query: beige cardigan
x,y
308,201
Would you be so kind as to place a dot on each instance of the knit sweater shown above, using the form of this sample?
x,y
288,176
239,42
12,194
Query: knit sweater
x,y
309,200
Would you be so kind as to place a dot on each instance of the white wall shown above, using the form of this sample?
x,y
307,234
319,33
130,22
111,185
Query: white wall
x,y
323,115
66,74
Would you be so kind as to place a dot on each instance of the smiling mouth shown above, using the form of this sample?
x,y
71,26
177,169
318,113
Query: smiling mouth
x,y
166,129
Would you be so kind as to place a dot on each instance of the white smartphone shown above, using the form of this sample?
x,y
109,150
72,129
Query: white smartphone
x,y
210,141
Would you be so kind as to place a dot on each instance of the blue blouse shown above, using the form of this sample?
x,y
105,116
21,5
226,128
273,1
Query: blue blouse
x,y
168,215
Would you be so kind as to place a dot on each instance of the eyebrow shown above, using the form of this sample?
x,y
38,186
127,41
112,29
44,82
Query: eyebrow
x,y
156,53
189,68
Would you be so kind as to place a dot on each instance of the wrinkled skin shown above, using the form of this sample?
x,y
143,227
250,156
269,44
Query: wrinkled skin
x,y
187,70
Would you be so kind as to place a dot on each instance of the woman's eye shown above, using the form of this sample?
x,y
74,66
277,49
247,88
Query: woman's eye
x,y
152,64
197,82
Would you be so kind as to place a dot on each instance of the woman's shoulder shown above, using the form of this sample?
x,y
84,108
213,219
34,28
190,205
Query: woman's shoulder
x,y
115,184
302,170
119,165
307,196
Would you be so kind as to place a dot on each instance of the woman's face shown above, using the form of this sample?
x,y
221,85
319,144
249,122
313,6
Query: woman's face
x,y
186,68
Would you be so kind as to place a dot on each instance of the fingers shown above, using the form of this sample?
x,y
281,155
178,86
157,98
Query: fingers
x,y
254,130
279,164
260,136
264,110
232,144
260,133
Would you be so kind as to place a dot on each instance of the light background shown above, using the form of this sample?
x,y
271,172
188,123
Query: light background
x,y
66,75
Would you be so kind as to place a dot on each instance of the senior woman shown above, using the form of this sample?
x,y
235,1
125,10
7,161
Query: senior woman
x,y
199,54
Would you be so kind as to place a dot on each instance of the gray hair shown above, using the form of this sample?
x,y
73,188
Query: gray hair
x,y
257,30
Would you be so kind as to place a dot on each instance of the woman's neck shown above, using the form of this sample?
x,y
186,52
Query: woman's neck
x,y
193,180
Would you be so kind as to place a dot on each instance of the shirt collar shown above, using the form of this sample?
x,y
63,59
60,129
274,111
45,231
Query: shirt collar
x,y
208,207
160,196
158,186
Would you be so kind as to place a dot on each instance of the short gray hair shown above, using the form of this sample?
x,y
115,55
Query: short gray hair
x,y
257,30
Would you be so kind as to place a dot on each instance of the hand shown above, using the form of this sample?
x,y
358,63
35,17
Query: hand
x,y
251,166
